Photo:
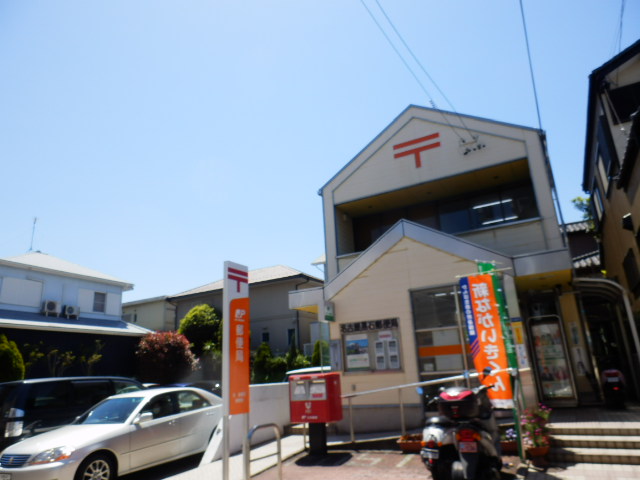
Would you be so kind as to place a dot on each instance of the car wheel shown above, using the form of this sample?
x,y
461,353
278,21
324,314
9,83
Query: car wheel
x,y
97,467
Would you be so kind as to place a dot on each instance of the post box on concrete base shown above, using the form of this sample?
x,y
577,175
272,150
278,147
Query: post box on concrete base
x,y
315,399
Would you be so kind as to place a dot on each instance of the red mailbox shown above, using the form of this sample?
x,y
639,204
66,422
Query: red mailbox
x,y
315,398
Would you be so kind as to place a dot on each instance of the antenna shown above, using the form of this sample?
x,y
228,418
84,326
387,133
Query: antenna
x,y
33,232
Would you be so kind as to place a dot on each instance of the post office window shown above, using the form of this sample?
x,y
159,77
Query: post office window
x,y
371,345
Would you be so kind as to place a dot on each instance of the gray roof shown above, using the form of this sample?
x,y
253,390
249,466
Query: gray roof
x,y
50,264
36,321
582,226
587,260
261,275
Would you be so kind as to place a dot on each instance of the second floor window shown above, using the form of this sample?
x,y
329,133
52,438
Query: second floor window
x,y
99,302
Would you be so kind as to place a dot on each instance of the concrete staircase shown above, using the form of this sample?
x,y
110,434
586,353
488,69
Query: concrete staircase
x,y
610,444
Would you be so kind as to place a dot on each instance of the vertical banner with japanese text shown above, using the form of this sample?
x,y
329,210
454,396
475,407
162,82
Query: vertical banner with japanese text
x,y
236,339
483,322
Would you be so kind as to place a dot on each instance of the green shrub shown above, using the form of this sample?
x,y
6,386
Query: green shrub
x,y
202,325
320,348
261,363
11,361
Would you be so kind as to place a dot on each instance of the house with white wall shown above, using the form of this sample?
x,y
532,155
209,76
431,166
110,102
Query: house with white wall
x,y
55,304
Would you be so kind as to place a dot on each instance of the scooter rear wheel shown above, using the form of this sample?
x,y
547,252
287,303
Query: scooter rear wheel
x,y
457,471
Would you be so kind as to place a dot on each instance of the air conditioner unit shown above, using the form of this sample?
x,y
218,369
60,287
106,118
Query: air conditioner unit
x,y
51,307
71,311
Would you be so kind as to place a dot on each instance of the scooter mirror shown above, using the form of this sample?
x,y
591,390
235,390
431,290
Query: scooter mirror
x,y
487,371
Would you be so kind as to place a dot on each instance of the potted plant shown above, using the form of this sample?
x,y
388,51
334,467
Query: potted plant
x,y
535,431
508,441
411,443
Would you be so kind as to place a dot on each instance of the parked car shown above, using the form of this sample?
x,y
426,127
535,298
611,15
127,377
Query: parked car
x,y
29,407
122,434
213,386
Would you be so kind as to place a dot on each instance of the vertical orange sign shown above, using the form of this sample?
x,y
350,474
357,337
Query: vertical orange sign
x,y
485,335
239,356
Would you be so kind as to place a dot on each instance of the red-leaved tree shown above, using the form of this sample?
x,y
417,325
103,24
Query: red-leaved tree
x,y
164,357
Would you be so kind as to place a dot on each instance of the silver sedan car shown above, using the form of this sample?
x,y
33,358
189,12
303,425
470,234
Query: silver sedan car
x,y
119,435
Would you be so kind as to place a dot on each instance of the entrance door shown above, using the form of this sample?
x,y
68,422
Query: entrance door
x,y
608,344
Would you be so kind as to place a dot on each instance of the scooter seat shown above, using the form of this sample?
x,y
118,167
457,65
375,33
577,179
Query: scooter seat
x,y
440,420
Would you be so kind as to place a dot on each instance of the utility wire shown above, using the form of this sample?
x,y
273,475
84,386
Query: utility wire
x,y
397,52
619,39
421,66
413,74
533,80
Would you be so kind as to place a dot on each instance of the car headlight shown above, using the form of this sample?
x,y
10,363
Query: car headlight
x,y
52,455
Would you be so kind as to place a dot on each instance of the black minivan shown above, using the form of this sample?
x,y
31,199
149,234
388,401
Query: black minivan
x,y
29,407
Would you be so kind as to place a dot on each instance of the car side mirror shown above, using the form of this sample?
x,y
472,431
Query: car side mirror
x,y
143,417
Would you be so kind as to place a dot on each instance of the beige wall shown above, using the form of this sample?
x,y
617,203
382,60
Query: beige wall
x,y
382,291
513,239
576,343
376,171
270,311
156,314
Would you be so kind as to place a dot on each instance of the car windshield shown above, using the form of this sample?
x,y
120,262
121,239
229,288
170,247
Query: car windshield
x,y
111,410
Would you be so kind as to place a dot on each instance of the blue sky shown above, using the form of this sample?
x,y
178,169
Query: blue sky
x,y
154,140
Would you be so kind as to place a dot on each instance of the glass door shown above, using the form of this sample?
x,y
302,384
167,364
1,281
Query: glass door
x,y
554,376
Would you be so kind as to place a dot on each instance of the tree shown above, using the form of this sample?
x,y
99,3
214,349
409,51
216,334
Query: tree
x,y
295,359
321,347
583,204
261,361
201,325
88,358
32,354
165,357
58,361
11,360
211,361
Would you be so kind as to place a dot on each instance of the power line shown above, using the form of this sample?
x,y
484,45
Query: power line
x,y
619,39
424,70
375,20
406,64
533,80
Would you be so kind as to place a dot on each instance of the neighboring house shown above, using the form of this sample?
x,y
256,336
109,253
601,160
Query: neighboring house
x,y
153,313
584,249
271,319
612,179
415,210
60,305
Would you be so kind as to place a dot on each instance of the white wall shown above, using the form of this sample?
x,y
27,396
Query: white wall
x,y
25,290
269,404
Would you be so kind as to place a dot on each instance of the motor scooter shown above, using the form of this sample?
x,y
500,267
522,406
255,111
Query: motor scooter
x,y
613,388
463,441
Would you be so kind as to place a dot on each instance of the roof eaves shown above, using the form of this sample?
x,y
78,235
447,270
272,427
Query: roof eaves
x,y
595,79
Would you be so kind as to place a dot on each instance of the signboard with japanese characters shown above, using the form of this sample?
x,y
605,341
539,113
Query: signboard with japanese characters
x,y
236,333
482,318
